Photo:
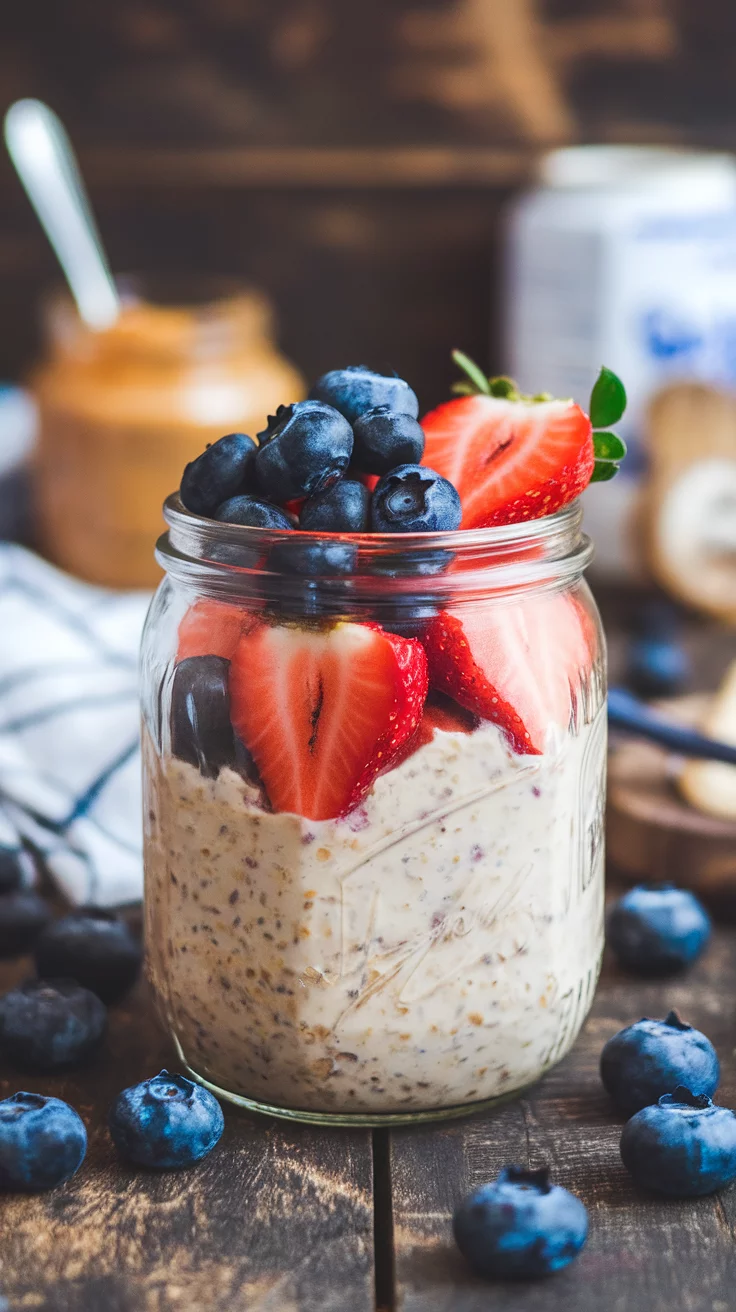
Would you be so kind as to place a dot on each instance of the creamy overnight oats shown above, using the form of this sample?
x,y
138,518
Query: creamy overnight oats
x,y
374,766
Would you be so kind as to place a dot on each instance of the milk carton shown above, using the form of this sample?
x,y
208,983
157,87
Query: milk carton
x,y
624,256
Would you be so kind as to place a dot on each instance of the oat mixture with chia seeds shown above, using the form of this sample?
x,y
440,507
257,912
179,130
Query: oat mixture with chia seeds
x,y
439,945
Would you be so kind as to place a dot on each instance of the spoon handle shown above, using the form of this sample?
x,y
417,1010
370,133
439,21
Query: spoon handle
x,y
627,713
45,162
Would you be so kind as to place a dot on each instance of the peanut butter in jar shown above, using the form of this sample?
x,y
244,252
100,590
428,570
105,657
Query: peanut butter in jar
x,y
124,409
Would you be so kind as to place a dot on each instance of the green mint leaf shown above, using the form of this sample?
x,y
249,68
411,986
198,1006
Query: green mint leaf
x,y
607,400
476,376
603,471
609,446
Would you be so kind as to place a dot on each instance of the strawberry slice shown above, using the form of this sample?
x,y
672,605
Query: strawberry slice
x,y
323,711
510,460
440,712
212,628
518,665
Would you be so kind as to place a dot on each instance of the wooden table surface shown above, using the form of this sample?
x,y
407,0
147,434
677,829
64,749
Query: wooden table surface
x,y
286,1218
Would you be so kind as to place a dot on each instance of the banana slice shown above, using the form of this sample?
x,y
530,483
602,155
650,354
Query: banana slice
x,y
691,501
709,785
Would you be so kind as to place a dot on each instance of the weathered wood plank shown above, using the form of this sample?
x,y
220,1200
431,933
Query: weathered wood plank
x,y
278,1219
643,1255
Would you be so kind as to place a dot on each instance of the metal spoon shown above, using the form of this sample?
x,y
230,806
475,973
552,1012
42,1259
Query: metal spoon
x,y
627,713
42,154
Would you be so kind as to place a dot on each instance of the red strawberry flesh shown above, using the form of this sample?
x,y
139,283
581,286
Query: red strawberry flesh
x,y
509,460
440,712
212,628
518,665
323,711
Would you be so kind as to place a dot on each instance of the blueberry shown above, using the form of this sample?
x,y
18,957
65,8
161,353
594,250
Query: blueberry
x,y
49,1024
252,513
385,438
412,499
22,917
652,1057
201,732
683,1146
657,929
42,1142
220,472
94,948
342,508
520,1226
357,388
305,448
656,667
313,558
166,1121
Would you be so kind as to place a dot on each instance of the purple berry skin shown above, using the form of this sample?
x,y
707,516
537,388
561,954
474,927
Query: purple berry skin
x,y
357,389
657,929
42,1142
165,1122
652,1057
49,1025
520,1226
682,1146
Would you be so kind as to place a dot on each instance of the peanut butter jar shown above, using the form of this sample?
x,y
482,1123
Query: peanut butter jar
x,y
123,410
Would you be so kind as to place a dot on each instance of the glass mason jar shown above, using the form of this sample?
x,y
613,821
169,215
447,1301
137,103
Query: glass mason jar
x,y
123,410
436,946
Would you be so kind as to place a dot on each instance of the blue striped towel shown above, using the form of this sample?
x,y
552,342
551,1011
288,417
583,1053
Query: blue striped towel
x,y
69,745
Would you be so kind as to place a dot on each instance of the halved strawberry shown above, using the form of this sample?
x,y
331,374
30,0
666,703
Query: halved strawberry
x,y
440,712
212,628
519,665
323,711
510,459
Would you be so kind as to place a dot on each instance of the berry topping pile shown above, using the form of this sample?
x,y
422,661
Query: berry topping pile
x,y
311,702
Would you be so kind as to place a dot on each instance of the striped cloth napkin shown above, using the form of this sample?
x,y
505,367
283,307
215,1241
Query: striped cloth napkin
x,y
69,746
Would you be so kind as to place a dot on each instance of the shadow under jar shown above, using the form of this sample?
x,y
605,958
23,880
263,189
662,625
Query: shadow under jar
x,y
437,947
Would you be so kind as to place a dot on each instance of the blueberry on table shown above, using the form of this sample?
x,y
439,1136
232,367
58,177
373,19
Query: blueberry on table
x,y
94,948
305,448
22,917
46,1025
657,929
652,1057
656,667
342,508
412,499
201,732
42,1142
682,1146
167,1121
385,438
357,388
221,471
252,513
520,1226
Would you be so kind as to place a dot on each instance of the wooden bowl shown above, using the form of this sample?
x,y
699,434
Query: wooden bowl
x,y
653,833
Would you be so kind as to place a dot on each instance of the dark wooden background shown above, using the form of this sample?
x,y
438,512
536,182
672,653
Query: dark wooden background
x,y
352,156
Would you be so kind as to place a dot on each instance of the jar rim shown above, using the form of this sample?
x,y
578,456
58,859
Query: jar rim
x,y
231,559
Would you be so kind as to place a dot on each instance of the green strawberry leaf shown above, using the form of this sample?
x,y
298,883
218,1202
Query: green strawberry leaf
x,y
609,446
476,376
504,387
463,389
603,471
607,400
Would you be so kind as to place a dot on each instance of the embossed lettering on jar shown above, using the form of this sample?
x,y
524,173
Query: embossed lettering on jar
x,y
374,815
